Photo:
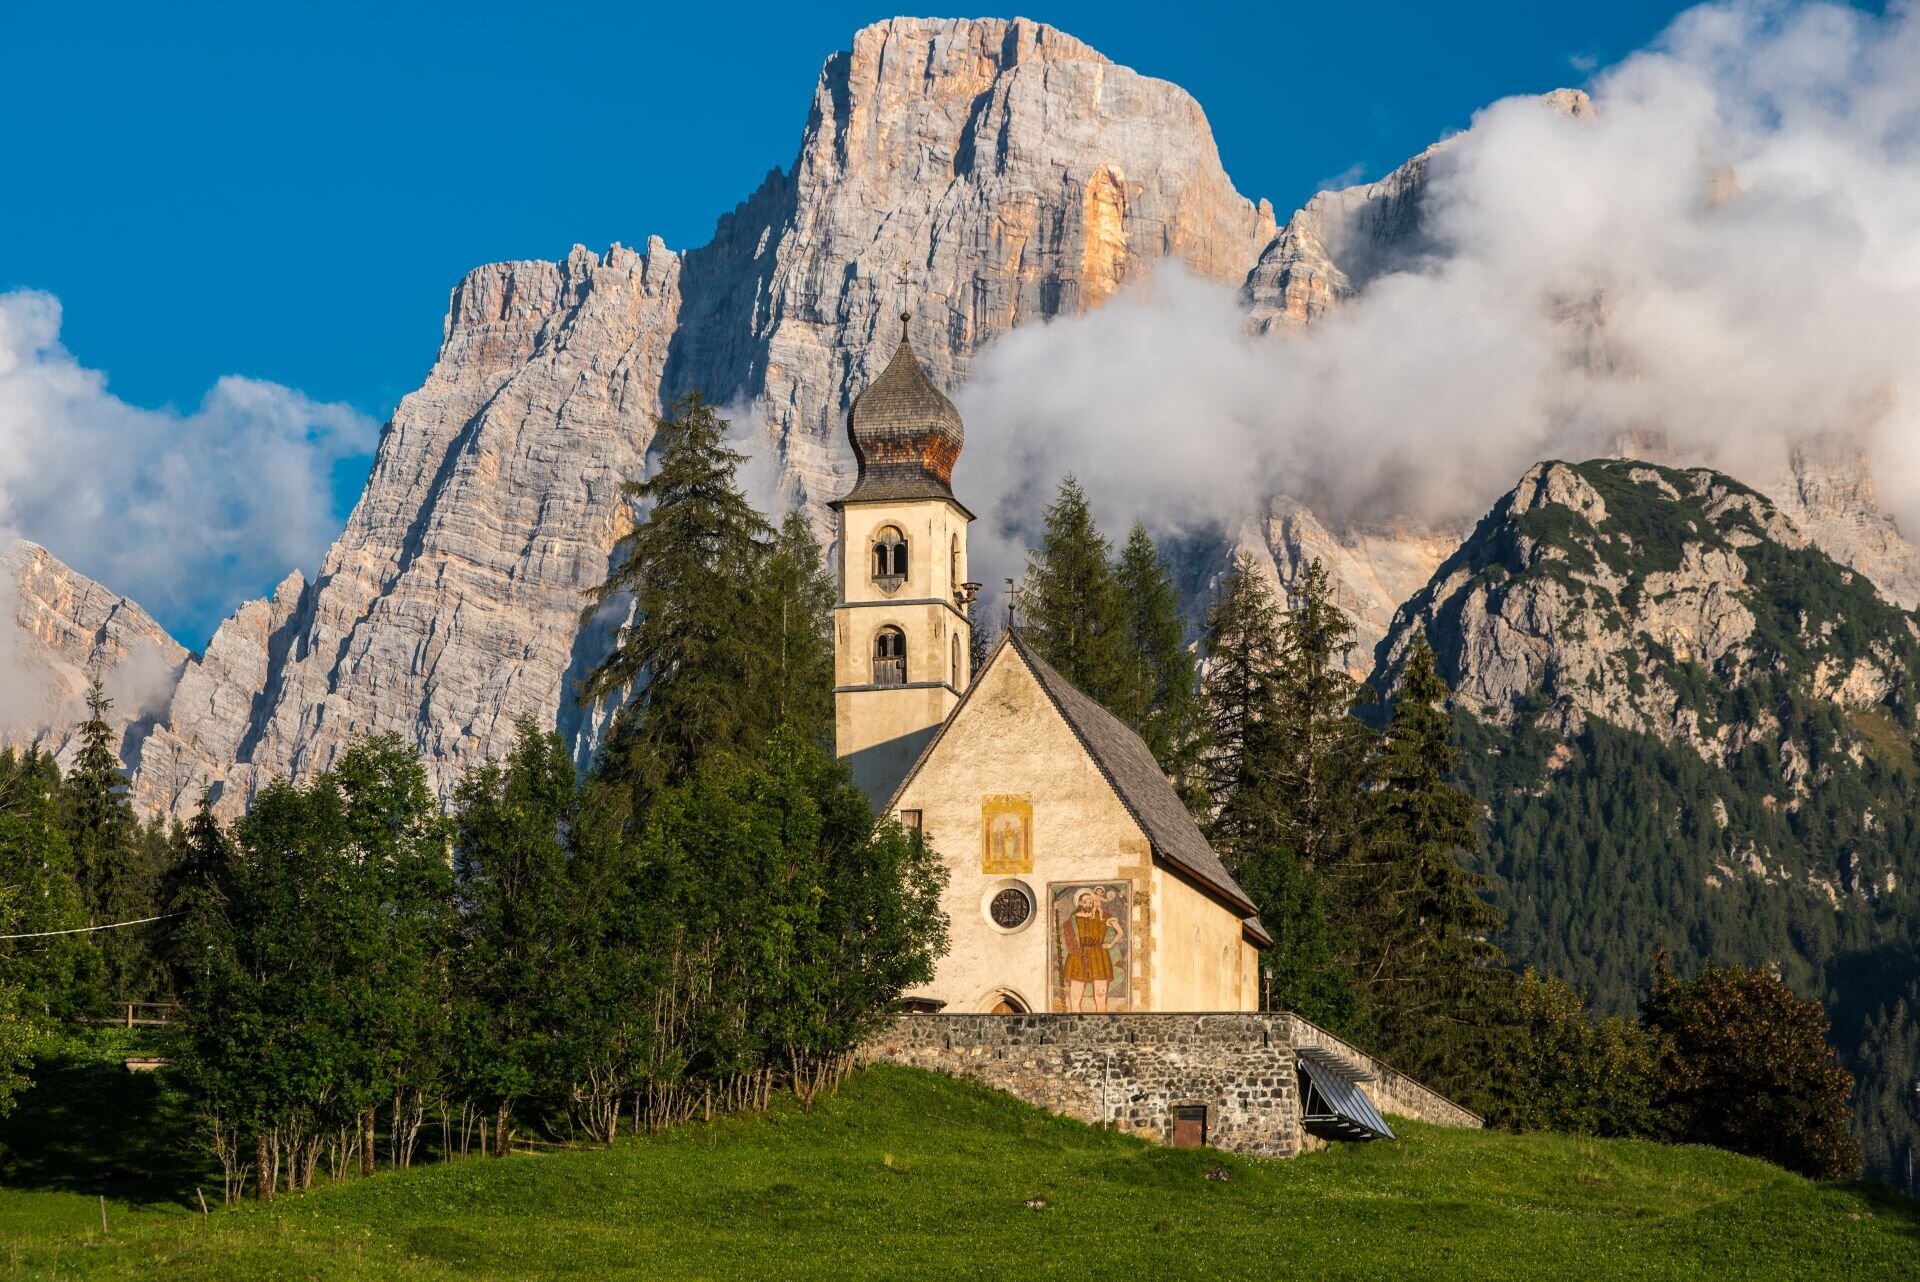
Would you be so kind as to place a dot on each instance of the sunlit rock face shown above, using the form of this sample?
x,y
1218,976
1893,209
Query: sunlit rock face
x,y
979,174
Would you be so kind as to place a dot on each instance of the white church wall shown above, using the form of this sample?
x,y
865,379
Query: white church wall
x,y
1201,959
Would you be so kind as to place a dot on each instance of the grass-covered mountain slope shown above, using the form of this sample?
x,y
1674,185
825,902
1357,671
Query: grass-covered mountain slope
x,y
905,1174
1693,730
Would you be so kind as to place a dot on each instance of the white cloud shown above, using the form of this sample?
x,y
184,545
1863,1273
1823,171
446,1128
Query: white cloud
x,y
1731,316
187,513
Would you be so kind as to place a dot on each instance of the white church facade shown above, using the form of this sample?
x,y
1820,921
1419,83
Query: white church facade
x,y
1077,880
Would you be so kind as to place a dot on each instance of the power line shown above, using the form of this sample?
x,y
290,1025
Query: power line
x,y
88,930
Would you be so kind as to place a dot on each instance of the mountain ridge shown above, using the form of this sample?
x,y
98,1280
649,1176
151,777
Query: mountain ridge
x,y
992,173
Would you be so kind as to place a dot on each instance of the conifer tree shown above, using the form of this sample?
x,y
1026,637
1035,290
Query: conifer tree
x,y
691,664
97,815
1070,607
1249,826
120,863
1160,698
59,976
798,632
1321,760
1419,924
1242,643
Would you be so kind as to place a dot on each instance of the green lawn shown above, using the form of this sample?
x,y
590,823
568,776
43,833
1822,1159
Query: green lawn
x,y
910,1175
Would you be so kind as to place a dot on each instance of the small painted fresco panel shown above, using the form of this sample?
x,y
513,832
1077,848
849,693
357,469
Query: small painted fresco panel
x,y
1091,948
1006,829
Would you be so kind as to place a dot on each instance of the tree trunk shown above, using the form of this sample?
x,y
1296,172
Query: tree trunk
x,y
366,1142
264,1184
500,1130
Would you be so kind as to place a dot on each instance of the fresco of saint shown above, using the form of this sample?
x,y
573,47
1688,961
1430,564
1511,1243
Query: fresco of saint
x,y
1090,939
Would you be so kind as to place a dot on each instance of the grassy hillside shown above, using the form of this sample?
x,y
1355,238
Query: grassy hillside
x,y
910,1175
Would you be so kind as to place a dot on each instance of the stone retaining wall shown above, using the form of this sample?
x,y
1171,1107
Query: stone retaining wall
x,y
1129,1071
1391,1090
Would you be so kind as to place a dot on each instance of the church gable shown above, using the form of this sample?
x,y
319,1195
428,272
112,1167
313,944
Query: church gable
x,y
1007,745
1039,851
1060,897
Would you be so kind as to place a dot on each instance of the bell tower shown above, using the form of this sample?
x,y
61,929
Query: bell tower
x,y
901,640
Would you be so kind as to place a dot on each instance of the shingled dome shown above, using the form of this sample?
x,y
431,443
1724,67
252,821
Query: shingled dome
x,y
905,433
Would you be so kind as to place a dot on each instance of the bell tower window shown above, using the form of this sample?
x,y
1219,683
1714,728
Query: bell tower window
x,y
889,657
889,558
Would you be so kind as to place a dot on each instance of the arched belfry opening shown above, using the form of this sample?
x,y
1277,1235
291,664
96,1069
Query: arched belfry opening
x,y
889,657
889,558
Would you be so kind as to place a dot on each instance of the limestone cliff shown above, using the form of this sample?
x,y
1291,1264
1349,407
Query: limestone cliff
x,y
1690,730
59,630
983,174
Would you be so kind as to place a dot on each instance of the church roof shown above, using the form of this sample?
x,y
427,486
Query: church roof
x,y
906,434
1136,778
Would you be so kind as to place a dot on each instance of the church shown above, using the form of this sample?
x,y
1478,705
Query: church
x,y
1077,880
1103,963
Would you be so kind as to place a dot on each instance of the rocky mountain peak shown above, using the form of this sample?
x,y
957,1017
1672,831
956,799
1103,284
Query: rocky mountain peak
x,y
1658,600
984,173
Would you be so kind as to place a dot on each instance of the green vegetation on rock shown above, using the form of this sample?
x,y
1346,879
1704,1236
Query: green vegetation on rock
x,y
1725,767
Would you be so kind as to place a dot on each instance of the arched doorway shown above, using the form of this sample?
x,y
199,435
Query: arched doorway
x,y
1006,1003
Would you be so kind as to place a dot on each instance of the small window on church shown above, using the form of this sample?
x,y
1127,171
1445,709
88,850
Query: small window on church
x,y
953,565
1010,908
890,657
910,820
889,558
956,661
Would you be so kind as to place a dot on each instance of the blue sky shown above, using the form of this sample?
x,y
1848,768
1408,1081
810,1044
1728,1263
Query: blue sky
x,y
287,192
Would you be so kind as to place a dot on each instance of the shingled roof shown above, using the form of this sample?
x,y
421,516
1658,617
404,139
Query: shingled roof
x,y
905,434
1136,778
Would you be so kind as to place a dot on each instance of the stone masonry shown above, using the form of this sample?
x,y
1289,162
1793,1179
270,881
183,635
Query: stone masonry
x,y
1132,1071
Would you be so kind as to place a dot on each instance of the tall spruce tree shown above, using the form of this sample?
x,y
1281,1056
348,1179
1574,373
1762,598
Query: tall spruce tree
x,y
1070,605
98,819
120,863
58,976
1242,643
1321,757
1160,697
692,663
1419,924
798,632
1249,828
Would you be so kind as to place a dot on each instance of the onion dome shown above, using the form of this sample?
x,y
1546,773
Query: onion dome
x,y
906,434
